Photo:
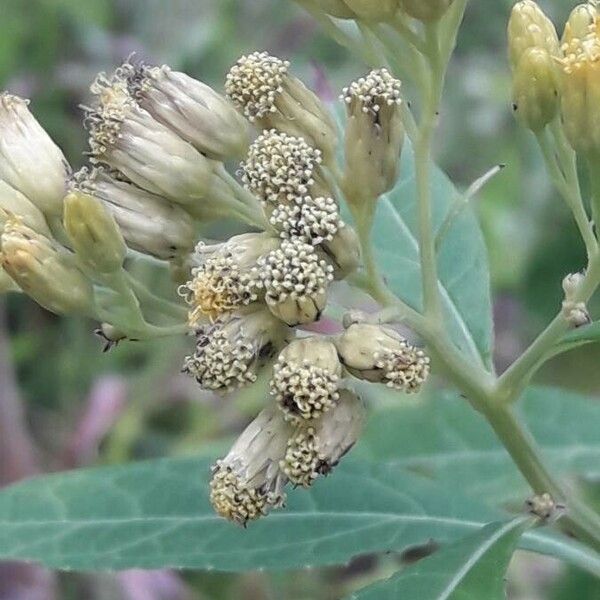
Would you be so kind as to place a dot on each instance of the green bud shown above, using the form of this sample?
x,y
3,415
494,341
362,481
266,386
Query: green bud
x,y
535,89
45,271
425,10
579,22
529,27
95,236
374,136
14,203
373,10
342,252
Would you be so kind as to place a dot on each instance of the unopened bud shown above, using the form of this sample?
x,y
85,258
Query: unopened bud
x,y
342,252
374,135
230,352
249,481
226,277
580,20
295,280
306,378
316,449
261,87
111,335
94,234
573,311
45,271
14,203
190,108
535,89
29,160
580,92
529,27
425,10
127,138
373,10
150,224
381,355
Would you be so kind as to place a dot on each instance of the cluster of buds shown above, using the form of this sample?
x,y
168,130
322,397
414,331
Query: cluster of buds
x,y
377,11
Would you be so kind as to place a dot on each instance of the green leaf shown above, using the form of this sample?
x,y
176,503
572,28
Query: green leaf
x,y
470,569
462,258
444,438
157,514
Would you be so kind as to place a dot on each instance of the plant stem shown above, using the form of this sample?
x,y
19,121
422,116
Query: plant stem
x,y
155,302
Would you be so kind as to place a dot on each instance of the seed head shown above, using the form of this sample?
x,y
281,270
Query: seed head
x,y
381,355
30,162
230,352
295,279
248,482
314,450
306,378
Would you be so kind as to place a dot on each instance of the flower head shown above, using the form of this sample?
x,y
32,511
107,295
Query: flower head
x,y
188,107
306,378
149,223
226,277
381,355
230,352
30,161
248,482
315,449
14,204
295,279
127,138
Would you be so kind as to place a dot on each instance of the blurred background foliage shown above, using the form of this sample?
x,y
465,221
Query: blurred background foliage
x,y
81,406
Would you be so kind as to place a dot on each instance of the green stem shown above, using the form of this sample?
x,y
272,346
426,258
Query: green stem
x,y
151,300
569,190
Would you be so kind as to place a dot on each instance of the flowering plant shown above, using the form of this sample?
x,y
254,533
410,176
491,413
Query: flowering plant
x,y
357,267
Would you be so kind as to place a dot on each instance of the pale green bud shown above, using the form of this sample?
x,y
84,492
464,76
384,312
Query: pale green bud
x,y
249,481
94,234
45,271
315,449
306,379
381,355
579,22
190,108
150,224
343,252
425,10
374,136
373,10
14,203
29,160
535,89
529,27
261,87
127,138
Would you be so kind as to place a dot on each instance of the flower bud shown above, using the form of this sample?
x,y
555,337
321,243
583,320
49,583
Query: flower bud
x,y
535,89
248,482
381,355
94,234
296,282
580,92
315,450
190,108
14,203
580,20
226,278
373,10
45,271
230,352
261,87
127,138
374,135
306,378
529,27
111,336
281,169
150,224
425,10
342,252
29,160
573,311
